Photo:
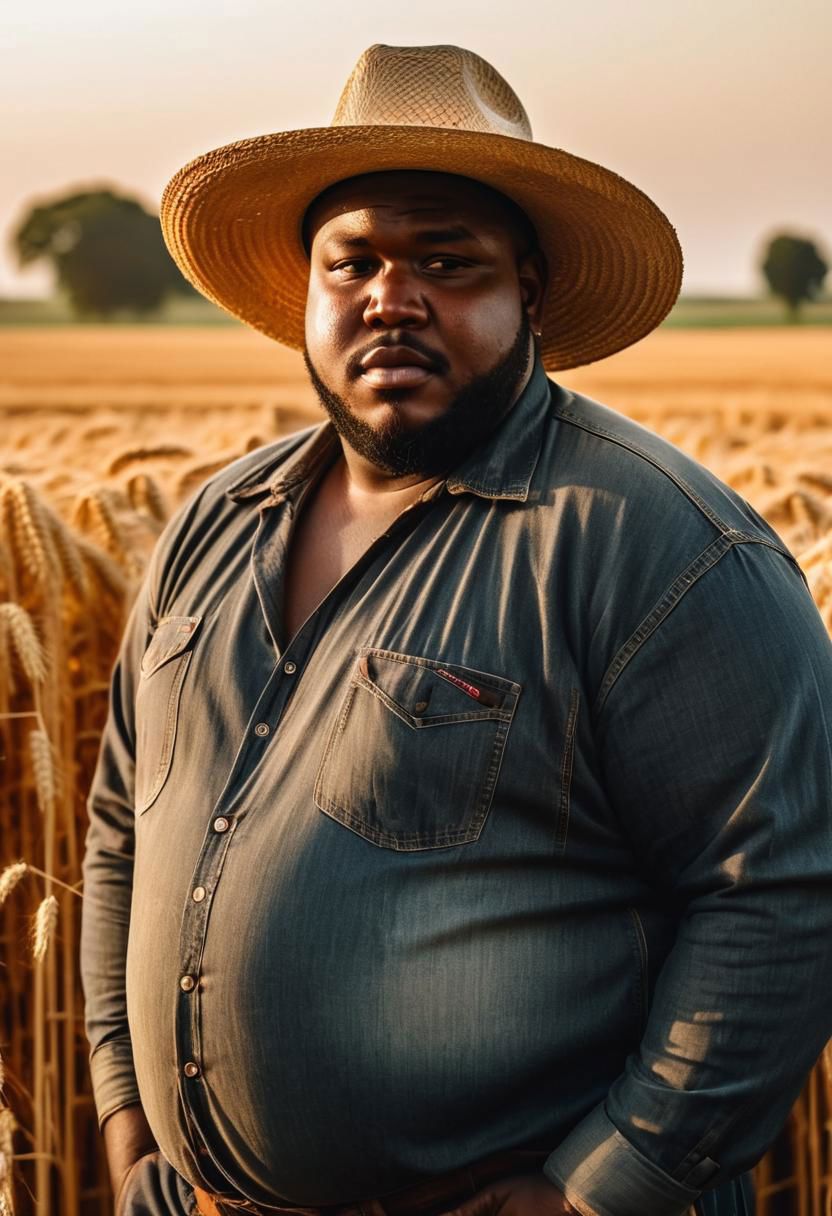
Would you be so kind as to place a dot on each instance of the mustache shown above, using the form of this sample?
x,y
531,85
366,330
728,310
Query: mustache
x,y
438,362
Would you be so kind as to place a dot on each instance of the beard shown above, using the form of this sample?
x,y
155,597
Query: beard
x,y
441,443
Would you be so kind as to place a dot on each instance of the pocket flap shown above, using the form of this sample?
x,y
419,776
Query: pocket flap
x,y
431,691
173,635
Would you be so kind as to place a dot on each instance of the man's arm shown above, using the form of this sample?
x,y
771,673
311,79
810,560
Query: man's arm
x,y
108,886
716,741
127,1138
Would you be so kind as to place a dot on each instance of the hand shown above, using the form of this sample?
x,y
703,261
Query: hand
x,y
521,1195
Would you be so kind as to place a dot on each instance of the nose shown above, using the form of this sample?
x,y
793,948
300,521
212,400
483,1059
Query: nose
x,y
395,301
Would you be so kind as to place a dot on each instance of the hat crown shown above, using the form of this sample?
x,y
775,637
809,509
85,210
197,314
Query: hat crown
x,y
430,86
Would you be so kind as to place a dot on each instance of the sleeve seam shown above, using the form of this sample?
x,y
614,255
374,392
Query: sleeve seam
x,y
668,600
673,594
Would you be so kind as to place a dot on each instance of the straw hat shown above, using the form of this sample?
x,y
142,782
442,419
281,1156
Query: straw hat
x,y
232,218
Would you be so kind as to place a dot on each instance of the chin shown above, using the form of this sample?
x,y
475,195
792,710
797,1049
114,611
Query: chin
x,y
408,405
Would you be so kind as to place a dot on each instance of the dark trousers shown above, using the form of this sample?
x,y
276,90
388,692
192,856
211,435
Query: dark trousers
x,y
155,1189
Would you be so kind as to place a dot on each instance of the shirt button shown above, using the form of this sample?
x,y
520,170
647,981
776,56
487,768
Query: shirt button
x,y
187,983
290,668
262,728
221,824
191,1069
198,894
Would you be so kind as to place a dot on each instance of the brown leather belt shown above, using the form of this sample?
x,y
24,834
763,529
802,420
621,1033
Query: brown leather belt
x,y
428,1198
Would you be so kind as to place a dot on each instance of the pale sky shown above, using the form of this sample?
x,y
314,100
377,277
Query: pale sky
x,y
720,110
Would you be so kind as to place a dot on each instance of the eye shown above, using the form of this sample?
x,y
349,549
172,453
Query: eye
x,y
353,266
446,261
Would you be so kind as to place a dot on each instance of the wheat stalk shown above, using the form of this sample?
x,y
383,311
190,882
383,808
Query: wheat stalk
x,y
816,477
24,641
6,568
34,543
44,770
9,878
69,556
44,925
145,495
6,657
108,577
96,513
133,455
8,1127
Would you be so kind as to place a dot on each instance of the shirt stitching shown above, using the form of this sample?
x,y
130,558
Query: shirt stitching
x,y
670,598
681,584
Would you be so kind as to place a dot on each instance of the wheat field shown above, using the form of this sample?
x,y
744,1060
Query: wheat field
x,y
103,432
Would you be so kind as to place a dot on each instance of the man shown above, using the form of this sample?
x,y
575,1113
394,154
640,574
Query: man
x,y
460,836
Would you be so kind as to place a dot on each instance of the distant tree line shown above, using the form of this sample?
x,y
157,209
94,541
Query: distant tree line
x,y
106,250
108,255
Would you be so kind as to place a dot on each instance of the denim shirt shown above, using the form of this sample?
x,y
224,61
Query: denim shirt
x,y
522,839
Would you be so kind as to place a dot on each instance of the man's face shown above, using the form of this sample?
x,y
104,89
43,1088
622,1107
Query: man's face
x,y
421,295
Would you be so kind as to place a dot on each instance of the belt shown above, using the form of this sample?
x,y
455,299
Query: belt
x,y
428,1198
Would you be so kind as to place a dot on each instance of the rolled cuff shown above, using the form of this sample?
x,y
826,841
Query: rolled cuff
x,y
113,1077
602,1174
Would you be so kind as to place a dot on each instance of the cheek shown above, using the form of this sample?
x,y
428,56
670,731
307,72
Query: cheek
x,y
326,321
482,330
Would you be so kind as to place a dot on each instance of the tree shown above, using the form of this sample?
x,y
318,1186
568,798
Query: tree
x,y
794,270
107,252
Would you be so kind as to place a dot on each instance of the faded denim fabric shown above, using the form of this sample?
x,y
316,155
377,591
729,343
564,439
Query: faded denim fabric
x,y
525,838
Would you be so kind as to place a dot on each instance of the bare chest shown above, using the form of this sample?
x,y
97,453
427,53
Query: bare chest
x,y
326,542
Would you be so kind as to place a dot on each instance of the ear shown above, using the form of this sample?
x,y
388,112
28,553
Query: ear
x,y
532,275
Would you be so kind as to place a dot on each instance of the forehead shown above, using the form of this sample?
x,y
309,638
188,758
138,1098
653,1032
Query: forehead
x,y
408,197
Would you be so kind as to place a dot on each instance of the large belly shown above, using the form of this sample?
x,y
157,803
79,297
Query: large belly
x,y
349,1016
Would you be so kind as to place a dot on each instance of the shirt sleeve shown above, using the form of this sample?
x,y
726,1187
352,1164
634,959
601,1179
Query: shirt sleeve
x,y
108,879
716,752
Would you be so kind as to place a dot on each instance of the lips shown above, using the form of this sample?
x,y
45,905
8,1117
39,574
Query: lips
x,y
397,356
396,367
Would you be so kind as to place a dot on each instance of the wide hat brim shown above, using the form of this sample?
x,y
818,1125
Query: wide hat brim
x,y
232,222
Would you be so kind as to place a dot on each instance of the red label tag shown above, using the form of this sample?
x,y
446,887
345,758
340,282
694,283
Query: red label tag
x,y
469,688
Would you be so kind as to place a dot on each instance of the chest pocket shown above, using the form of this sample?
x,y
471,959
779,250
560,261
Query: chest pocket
x,y
414,756
163,669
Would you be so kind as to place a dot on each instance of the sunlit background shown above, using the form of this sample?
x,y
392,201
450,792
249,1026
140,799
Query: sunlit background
x,y
112,417
720,111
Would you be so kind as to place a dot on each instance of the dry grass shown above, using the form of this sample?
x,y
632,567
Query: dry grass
x,y
103,433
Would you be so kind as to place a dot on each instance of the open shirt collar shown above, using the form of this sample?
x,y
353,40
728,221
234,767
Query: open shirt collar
x,y
501,467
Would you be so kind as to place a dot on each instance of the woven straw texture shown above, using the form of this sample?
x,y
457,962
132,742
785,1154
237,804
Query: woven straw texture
x,y
232,218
